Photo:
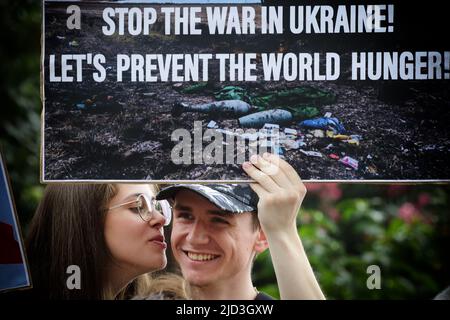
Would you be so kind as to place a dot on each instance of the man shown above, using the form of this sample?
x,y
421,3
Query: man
x,y
216,233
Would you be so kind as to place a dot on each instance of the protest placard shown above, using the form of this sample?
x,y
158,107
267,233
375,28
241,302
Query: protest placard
x,y
189,90
14,272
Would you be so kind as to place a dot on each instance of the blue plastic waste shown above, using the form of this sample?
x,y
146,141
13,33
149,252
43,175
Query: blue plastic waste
x,y
324,124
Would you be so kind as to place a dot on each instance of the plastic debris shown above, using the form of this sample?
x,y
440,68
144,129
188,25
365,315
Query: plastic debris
x,y
236,107
74,43
212,125
372,169
349,162
318,133
250,136
271,126
276,116
334,156
327,115
232,93
226,132
300,101
279,151
311,153
295,97
290,132
352,142
324,124
60,37
292,144
352,139
303,112
267,143
339,137
99,103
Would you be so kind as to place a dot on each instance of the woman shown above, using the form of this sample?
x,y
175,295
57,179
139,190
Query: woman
x,y
112,232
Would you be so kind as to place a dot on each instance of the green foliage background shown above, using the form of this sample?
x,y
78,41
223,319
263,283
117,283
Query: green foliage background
x,y
405,230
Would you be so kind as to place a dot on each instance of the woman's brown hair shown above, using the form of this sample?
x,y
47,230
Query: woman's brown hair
x,y
68,229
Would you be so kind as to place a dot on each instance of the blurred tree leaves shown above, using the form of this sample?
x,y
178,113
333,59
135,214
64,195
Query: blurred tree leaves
x,y
20,102
406,234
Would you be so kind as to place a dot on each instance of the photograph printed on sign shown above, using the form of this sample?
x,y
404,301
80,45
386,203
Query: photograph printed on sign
x,y
189,90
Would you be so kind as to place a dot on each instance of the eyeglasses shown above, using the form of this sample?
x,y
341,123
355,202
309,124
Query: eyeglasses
x,y
146,207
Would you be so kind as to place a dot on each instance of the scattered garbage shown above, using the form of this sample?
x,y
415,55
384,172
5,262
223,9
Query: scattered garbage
x,y
293,144
352,142
311,153
149,94
352,139
291,132
331,134
233,93
267,143
226,132
250,136
271,126
305,96
356,137
303,112
212,125
236,107
334,156
276,109
99,103
60,37
256,120
349,162
318,133
324,124
301,101
372,169
279,151
74,43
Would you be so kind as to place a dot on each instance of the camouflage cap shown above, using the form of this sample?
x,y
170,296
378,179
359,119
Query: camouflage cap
x,y
234,198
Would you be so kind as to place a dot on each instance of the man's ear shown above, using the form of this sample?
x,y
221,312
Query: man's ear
x,y
261,243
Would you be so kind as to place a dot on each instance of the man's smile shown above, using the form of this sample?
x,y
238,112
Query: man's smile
x,y
197,256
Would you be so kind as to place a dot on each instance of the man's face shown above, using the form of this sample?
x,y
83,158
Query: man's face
x,y
210,245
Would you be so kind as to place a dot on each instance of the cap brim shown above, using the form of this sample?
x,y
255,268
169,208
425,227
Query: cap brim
x,y
222,201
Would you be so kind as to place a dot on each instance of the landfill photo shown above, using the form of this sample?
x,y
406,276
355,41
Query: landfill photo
x,y
341,130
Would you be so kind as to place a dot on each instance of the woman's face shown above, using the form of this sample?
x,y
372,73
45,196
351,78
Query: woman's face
x,y
136,246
